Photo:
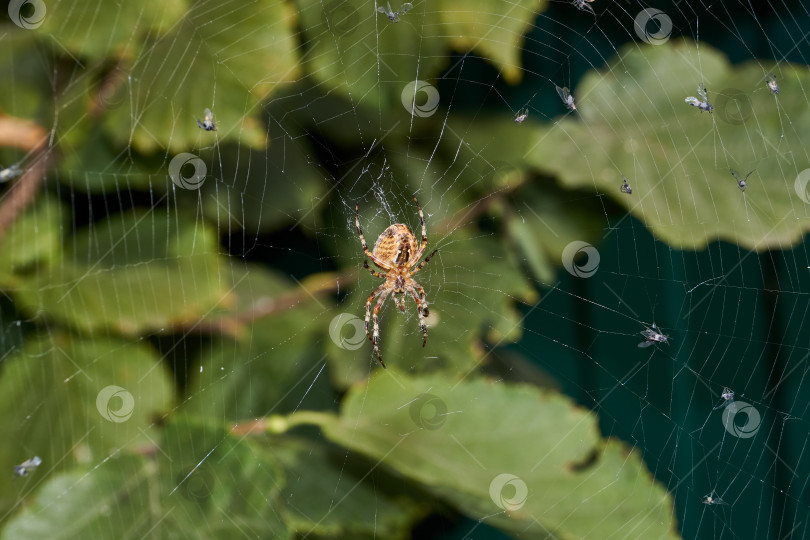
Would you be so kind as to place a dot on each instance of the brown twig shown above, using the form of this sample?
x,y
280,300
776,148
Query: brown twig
x,y
31,137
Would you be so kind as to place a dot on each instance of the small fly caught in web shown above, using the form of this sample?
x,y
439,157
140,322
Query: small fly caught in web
x,y
727,396
773,86
394,16
583,5
27,466
521,115
741,182
702,101
652,336
9,173
566,97
208,121
710,500
625,187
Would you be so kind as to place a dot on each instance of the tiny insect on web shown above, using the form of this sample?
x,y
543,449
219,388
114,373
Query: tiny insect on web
x,y
208,121
394,16
741,181
702,101
566,97
625,187
26,466
9,173
521,115
652,336
584,5
773,86
395,252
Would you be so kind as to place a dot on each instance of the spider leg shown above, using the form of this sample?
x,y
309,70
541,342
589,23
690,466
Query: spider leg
x,y
370,269
382,294
422,310
371,256
423,247
421,264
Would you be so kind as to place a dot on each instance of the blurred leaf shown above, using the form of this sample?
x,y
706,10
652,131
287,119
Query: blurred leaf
x,y
55,405
631,119
285,347
88,28
132,273
543,224
266,188
242,51
352,507
364,55
34,238
456,439
25,76
201,482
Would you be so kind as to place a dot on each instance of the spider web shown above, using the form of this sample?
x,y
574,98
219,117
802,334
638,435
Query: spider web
x,y
145,301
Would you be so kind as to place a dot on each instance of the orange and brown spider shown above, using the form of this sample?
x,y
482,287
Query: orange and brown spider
x,y
395,252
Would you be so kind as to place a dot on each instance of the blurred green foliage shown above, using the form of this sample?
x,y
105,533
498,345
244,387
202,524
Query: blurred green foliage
x,y
230,363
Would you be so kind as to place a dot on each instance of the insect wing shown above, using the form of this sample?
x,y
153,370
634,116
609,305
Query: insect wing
x,y
381,9
564,94
645,344
405,8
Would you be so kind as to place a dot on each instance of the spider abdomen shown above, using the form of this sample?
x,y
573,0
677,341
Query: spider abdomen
x,y
396,245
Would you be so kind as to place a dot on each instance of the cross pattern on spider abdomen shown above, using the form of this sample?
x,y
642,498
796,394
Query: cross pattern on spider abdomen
x,y
395,252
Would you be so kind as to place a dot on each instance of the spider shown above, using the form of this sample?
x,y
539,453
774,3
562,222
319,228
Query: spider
x,y
395,252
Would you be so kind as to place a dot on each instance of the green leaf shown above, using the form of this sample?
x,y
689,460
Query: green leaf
x,y
132,273
631,119
57,404
285,347
354,506
364,55
90,29
456,439
226,56
33,238
201,482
